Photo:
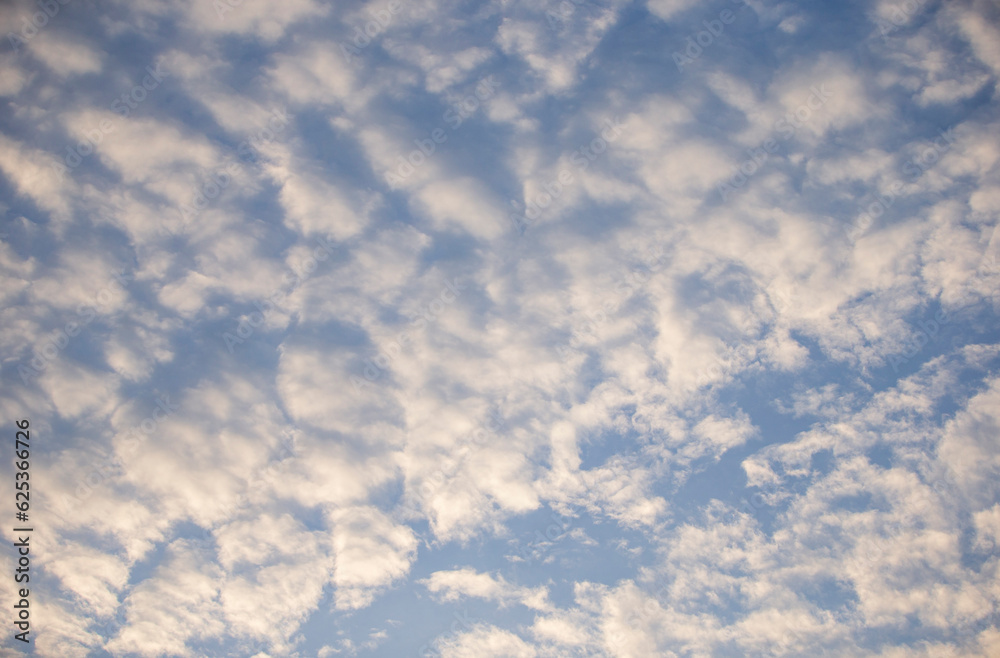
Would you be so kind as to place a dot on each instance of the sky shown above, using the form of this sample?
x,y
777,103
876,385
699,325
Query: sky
x,y
463,329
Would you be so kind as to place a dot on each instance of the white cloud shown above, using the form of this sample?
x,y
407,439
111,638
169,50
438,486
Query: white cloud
x,y
464,204
610,364
556,55
370,552
969,451
177,604
317,74
12,77
64,54
255,17
96,577
76,389
37,175
453,585
486,641
666,9
975,24
315,207
277,571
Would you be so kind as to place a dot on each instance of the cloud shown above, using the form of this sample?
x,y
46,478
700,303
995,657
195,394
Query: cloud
x,y
252,17
293,363
314,207
666,9
179,603
974,23
37,175
453,585
65,54
464,204
370,553
966,448
277,571
487,640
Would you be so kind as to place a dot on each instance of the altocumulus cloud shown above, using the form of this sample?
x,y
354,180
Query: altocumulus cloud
x,y
503,329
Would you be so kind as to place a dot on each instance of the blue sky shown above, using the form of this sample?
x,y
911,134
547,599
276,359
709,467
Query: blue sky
x,y
572,328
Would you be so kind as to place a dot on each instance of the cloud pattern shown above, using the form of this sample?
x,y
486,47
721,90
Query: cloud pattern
x,y
436,328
